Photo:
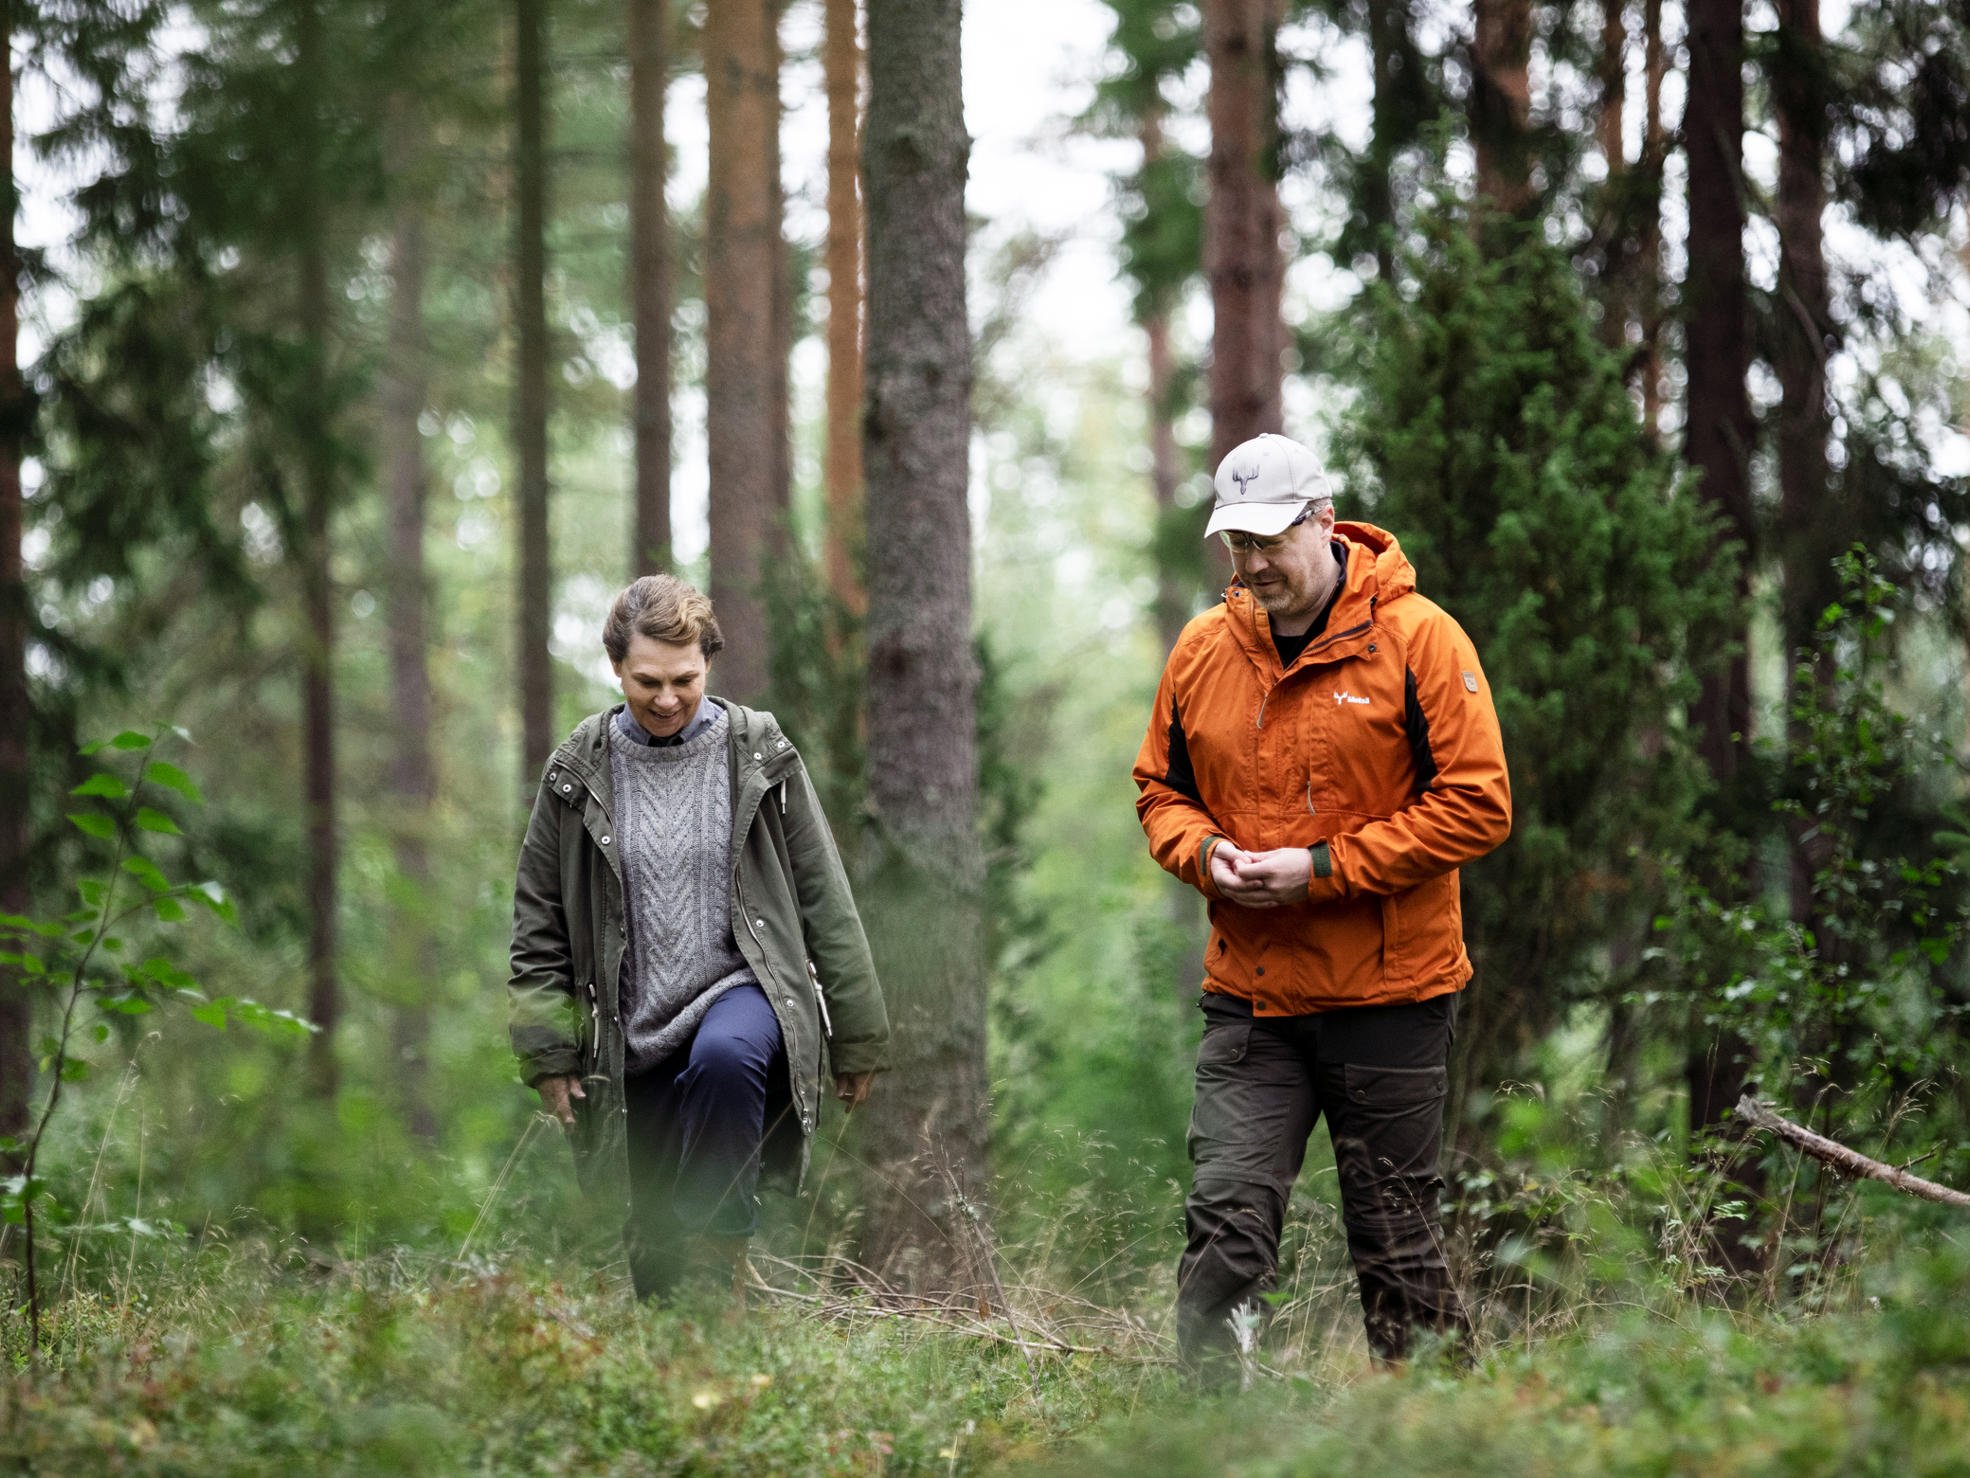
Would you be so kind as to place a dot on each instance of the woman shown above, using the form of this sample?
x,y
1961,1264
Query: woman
x,y
684,944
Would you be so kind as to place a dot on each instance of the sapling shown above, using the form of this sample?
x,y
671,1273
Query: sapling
x,y
77,958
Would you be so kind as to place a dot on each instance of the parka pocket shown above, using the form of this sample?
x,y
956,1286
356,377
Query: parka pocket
x,y
1422,929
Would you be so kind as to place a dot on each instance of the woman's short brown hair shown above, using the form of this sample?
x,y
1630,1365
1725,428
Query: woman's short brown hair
x,y
663,608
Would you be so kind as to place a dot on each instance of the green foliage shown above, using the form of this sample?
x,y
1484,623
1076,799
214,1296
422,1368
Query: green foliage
x,y
1850,993
1493,437
79,963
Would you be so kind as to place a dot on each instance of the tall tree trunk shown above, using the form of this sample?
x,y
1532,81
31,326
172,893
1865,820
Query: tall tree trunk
x,y
650,281
842,65
1501,103
317,585
927,1135
530,407
1648,252
1611,76
16,1057
1243,222
1717,444
1804,325
1388,27
745,305
413,778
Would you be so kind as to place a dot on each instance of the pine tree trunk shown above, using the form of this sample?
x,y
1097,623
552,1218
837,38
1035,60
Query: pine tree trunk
x,y
745,307
1388,21
16,1055
1243,222
650,282
317,585
413,777
1648,251
1717,334
842,66
927,1131
530,406
1717,444
1501,103
1611,75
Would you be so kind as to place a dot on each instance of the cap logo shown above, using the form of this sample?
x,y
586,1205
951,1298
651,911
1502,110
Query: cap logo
x,y
1242,478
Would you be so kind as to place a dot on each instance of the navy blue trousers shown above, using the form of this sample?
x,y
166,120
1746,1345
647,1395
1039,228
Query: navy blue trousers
x,y
696,1123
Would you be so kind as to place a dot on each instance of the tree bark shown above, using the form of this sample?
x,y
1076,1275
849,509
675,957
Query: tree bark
x,y
16,1017
1717,443
316,581
650,282
745,371
1648,254
842,66
927,1133
1611,76
1243,222
413,777
1501,103
530,400
1815,529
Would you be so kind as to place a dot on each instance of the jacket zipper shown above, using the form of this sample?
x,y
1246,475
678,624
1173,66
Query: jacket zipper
x,y
1325,642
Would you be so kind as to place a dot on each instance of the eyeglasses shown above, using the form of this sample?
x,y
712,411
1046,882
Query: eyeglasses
x,y
1241,543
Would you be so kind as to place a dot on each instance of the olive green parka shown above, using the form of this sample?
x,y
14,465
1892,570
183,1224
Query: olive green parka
x,y
792,915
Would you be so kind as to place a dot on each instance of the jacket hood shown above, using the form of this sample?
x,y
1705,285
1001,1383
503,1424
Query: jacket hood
x,y
1377,573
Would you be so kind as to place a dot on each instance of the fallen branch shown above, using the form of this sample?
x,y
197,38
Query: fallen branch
x,y
1753,1111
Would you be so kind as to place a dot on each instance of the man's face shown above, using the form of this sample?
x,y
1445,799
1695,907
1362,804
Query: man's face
x,y
1291,580
663,683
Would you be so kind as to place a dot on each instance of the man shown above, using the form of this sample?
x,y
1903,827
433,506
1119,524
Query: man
x,y
1322,757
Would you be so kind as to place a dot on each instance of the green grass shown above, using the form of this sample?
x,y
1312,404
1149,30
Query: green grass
x,y
249,1361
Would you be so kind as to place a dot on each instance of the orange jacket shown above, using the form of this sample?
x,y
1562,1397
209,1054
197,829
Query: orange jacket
x,y
1378,750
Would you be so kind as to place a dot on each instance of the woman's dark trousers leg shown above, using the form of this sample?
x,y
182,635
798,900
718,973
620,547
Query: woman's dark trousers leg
x,y
696,1124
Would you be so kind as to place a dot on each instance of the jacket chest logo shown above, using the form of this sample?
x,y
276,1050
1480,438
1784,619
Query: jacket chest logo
x,y
1342,695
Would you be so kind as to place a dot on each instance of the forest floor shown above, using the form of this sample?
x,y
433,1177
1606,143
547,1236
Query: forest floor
x,y
258,1361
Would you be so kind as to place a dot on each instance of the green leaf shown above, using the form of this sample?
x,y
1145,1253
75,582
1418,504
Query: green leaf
x,y
151,820
213,896
27,964
93,891
30,926
147,873
92,823
164,973
74,1070
168,910
109,787
100,1032
212,1013
130,739
173,778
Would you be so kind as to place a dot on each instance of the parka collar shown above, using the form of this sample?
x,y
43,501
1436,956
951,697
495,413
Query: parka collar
x,y
1377,572
760,751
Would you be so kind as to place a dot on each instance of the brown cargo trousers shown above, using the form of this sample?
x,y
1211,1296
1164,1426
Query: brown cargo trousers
x,y
1379,1075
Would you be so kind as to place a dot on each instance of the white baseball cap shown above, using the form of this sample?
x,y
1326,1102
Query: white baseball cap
x,y
1264,484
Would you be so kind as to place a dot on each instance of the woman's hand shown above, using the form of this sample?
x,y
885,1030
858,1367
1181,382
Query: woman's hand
x,y
557,1096
853,1089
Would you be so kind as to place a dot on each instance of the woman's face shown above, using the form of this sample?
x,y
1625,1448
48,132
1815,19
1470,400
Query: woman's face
x,y
663,683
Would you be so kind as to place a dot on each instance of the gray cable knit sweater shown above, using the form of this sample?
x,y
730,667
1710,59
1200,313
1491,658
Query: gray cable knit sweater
x,y
674,820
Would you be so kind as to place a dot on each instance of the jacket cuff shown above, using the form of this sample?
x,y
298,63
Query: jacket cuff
x,y
858,1057
551,1062
1323,883
1204,883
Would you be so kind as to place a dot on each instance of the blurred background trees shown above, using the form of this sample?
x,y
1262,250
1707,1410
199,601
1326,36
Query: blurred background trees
x,y
367,332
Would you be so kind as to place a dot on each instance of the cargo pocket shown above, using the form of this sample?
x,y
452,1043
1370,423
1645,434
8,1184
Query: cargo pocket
x,y
1227,1031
